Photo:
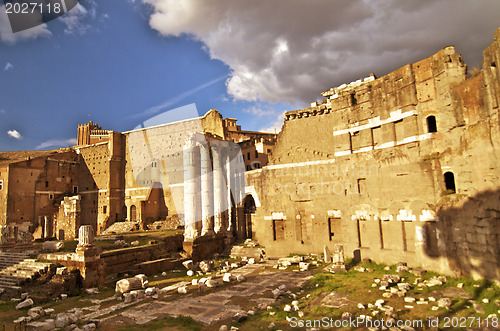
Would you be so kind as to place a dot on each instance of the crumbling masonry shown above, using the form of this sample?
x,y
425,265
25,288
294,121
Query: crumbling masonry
x,y
404,167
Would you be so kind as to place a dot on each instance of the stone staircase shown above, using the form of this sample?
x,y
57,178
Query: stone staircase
x,y
17,268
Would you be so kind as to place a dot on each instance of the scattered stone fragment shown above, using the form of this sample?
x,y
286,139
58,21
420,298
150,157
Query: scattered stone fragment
x,y
409,299
401,267
460,285
227,277
287,308
444,302
93,290
486,301
151,291
327,255
361,306
183,290
223,328
62,271
304,266
164,274
479,309
346,315
271,326
240,278
239,317
206,266
212,283
89,327
25,304
188,264
127,298
190,273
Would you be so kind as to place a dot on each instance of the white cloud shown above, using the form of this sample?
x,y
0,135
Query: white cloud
x,y
75,19
14,134
275,126
57,143
8,37
291,50
260,111
8,66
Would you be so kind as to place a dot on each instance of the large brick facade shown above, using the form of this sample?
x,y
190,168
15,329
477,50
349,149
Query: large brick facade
x,y
398,168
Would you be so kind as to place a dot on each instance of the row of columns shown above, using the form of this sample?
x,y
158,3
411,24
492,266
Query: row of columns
x,y
214,182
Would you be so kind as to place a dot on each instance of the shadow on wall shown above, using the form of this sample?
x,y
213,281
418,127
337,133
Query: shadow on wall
x,y
154,208
467,234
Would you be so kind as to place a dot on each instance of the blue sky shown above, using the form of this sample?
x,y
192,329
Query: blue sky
x,y
120,62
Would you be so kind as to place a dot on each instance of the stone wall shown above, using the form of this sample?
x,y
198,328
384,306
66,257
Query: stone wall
x,y
123,260
372,166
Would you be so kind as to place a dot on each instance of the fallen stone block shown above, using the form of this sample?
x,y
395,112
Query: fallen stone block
x,y
183,290
240,278
128,284
188,264
239,317
25,304
150,291
36,311
206,266
227,278
444,302
39,326
212,283
127,298
93,290
61,320
52,246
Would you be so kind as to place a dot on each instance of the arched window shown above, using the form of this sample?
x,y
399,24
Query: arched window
x,y
431,124
449,181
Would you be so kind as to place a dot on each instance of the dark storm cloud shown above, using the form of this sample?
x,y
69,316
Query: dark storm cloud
x,y
291,50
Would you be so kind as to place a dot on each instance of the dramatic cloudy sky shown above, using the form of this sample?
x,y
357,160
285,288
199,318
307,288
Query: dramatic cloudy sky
x,y
120,62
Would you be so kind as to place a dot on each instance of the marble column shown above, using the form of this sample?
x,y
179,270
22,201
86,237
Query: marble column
x,y
86,235
190,231
207,201
230,182
219,189
47,233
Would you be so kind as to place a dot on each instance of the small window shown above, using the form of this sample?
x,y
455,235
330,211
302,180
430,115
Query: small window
x,y
104,209
75,189
361,185
51,196
268,150
256,154
449,181
354,101
46,183
431,124
248,156
1,185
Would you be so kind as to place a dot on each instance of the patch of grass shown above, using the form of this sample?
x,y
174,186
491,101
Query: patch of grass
x,y
167,323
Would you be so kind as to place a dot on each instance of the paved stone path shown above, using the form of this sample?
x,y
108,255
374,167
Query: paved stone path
x,y
217,304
